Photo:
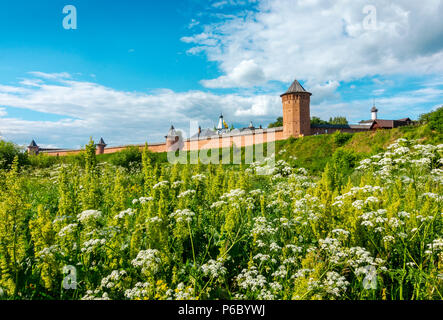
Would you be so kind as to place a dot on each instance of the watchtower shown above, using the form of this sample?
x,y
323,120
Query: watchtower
x,y
296,114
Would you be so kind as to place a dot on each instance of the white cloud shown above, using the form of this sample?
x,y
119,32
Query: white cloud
x,y
321,41
247,73
378,92
53,76
193,23
90,109
325,91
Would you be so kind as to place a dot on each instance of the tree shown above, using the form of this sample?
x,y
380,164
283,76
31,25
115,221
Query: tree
x,y
433,119
338,120
8,151
317,120
278,123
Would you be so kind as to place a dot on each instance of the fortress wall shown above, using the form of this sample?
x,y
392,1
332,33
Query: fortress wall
x,y
217,142
238,141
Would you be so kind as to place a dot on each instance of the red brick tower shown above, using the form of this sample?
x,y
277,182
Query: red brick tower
x,y
296,114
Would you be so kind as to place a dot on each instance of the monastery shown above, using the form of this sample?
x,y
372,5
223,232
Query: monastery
x,y
296,123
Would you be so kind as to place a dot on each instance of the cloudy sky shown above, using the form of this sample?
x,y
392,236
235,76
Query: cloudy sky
x,y
133,68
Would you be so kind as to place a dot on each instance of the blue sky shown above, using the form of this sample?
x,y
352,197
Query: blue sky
x,y
133,68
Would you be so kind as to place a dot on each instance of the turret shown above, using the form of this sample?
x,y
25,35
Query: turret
x,y
101,146
33,148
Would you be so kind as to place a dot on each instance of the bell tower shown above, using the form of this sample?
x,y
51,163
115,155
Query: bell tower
x,y
296,114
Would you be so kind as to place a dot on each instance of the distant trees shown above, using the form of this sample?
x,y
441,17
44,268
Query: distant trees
x,y
317,120
278,123
338,120
335,120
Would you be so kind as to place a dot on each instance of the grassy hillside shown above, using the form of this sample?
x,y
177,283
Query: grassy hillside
x,y
314,152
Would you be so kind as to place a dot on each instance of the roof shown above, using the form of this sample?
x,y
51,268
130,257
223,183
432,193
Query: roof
x,y
171,132
384,123
295,87
380,123
33,144
101,142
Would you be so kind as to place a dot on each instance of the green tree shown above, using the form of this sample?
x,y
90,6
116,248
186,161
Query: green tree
x,y
338,120
8,151
433,119
317,120
278,123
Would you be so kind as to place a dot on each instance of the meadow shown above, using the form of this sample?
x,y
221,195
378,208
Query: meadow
x,y
345,225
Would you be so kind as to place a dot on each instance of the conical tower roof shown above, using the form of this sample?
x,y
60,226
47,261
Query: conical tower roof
x,y
33,144
171,132
295,87
101,142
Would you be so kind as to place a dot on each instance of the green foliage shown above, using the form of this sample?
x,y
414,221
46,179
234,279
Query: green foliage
x,y
317,120
342,165
338,120
341,138
277,123
43,161
163,231
433,119
127,157
8,151
333,121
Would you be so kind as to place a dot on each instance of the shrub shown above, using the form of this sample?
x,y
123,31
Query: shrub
x,y
42,161
127,157
341,138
